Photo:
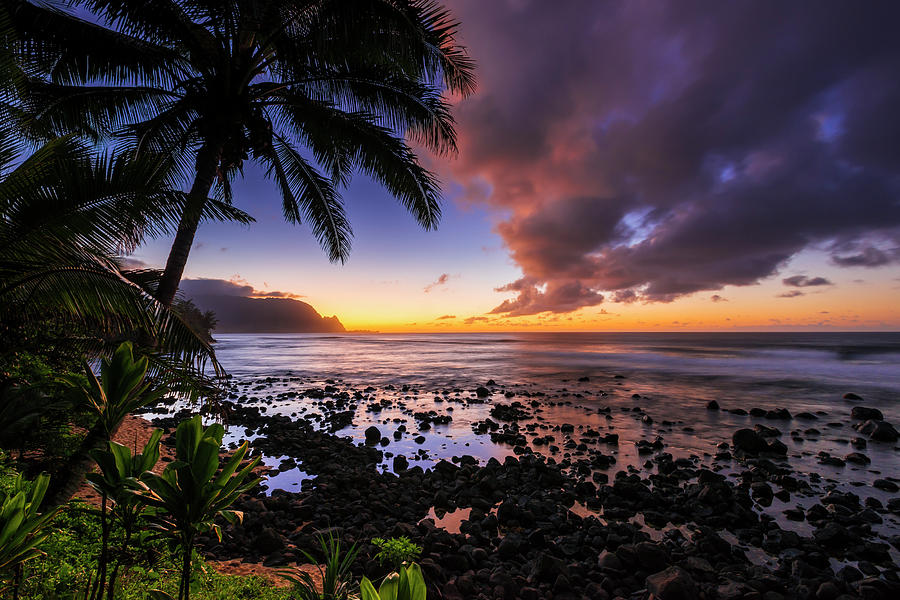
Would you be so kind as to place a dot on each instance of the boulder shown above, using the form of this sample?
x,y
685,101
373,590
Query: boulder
x,y
373,436
673,583
864,413
880,431
749,441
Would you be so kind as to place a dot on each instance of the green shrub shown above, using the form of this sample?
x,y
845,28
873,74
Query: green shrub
x,y
407,583
336,577
193,490
22,527
395,551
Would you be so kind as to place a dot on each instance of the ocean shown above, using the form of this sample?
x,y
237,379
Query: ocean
x,y
645,387
807,370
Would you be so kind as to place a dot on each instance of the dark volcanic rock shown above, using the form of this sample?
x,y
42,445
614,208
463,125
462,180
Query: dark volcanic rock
x,y
749,441
373,435
673,583
863,413
880,431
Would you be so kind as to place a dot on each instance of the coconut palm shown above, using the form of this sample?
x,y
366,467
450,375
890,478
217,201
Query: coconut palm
x,y
63,215
311,90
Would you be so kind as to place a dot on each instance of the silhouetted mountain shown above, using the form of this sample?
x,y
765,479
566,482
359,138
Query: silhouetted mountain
x,y
237,312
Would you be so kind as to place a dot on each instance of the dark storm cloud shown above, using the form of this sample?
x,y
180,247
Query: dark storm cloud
x,y
653,150
804,281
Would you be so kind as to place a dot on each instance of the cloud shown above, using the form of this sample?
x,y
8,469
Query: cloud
x,y
626,296
444,317
718,298
472,320
132,264
237,286
558,297
791,294
867,257
442,280
804,281
654,150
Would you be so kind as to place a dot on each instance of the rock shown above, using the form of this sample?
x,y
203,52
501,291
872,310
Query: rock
x,y
864,413
547,568
852,396
482,392
373,435
857,458
712,405
268,541
749,441
400,463
880,431
509,547
673,583
651,556
833,535
779,413
886,485
828,591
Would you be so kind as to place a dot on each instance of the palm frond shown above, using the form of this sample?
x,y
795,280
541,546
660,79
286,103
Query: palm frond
x,y
305,190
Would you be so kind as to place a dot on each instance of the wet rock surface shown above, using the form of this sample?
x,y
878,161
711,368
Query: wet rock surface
x,y
568,508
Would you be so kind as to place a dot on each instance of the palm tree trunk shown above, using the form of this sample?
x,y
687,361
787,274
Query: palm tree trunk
x,y
69,477
206,170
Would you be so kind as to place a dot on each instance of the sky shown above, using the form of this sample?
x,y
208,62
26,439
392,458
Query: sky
x,y
626,166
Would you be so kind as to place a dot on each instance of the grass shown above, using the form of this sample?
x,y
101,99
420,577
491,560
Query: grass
x,y
64,571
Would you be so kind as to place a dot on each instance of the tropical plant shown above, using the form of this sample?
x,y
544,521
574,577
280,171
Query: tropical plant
x,y
121,389
407,583
395,551
117,482
22,527
215,84
193,490
65,212
336,579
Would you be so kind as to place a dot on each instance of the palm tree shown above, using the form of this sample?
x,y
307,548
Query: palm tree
x,y
351,83
66,212
63,215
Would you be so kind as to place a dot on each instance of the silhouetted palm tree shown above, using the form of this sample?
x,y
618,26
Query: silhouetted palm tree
x,y
217,83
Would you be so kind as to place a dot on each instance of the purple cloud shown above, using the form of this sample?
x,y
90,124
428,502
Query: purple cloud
x,y
654,150
804,281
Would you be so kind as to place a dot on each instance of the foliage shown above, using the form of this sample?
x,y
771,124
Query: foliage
x,y
193,490
121,389
201,322
348,81
393,552
117,482
73,546
407,583
63,215
22,527
336,577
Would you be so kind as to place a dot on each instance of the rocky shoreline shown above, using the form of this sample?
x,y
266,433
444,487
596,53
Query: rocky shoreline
x,y
563,515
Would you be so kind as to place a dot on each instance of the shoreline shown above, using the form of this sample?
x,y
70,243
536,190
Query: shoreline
x,y
565,507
